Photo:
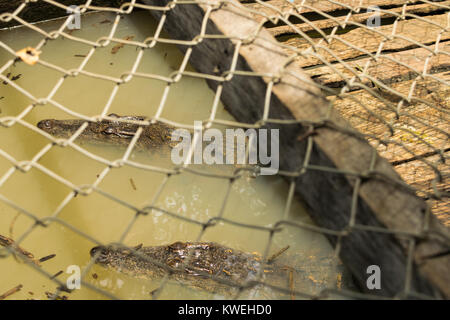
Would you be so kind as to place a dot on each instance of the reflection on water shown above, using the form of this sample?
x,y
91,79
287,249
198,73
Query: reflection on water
x,y
257,202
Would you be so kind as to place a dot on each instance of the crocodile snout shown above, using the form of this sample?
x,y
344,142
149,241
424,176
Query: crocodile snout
x,y
100,254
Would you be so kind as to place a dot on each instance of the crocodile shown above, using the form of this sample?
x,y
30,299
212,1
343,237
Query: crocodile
x,y
119,133
202,265
115,133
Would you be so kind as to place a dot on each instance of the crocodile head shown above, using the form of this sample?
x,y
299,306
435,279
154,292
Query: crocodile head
x,y
111,256
124,260
203,265
116,132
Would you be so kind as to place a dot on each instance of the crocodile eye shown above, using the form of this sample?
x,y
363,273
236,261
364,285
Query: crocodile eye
x,y
108,131
45,124
100,254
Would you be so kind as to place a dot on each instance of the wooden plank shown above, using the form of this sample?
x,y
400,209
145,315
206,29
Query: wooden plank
x,y
433,122
420,127
369,40
327,195
322,22
385,69
421,176
312,6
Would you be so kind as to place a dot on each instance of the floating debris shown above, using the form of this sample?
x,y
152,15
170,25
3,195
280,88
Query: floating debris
x,y
11,226
277,254
8,242
291,283
120,45
29,55
132,184
155,292
7,75
56,274
50,256
17,77
11,77
11,292
54,296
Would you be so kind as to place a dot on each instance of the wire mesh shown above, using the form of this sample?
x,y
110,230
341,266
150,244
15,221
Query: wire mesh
x,y
390,82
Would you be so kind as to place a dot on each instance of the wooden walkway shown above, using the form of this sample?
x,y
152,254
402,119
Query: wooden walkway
x,y
415,133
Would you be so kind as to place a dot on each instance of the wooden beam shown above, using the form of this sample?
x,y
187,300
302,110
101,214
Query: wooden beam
x,y
427,125
322,22
328,195
369,40
388,68
313,6
40,10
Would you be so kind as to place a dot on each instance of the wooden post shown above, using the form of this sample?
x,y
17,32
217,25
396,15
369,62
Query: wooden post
x,y
328,195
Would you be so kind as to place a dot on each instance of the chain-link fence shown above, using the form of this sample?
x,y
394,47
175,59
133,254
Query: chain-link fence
x,y
383,67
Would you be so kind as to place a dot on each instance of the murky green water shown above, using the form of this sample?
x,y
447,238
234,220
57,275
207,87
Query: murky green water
x,y
258,202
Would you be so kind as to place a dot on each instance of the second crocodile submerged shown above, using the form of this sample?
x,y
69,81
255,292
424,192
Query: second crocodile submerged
x,y
202,265
116,133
